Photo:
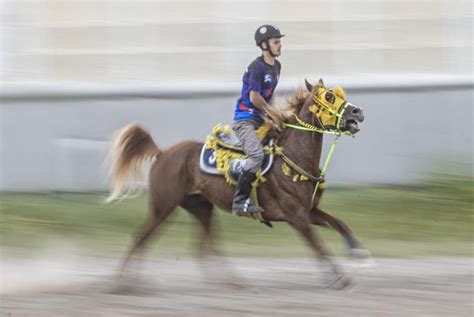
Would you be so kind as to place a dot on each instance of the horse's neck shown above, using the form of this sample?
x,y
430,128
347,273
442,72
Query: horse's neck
x,y
304,147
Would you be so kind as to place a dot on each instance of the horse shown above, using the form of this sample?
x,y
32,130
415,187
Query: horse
x,y
175,178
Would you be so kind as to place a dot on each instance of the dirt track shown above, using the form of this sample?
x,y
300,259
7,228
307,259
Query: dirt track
x,y
276,287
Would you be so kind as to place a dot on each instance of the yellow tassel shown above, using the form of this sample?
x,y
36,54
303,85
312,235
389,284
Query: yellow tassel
x,y
295,178
303,178
211,142
285,169
313,109
227,130
278,150
217,129
222,159
228,179
263,130
267,149
259,178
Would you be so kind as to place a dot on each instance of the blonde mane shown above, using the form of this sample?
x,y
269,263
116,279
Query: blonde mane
x,y
294,104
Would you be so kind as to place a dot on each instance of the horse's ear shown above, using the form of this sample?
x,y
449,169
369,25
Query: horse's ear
x,y
321,83
308,85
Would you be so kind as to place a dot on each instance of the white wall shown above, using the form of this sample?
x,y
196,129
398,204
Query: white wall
x,y
55,137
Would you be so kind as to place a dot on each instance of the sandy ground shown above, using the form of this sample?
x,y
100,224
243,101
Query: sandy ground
x,y
275,287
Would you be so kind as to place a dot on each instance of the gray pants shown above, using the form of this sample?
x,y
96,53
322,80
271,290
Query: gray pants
x,y
245,132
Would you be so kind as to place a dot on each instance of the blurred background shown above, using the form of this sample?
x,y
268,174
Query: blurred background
x,y
74,71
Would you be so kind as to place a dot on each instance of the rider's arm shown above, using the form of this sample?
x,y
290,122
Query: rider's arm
x,y
257,100
272,101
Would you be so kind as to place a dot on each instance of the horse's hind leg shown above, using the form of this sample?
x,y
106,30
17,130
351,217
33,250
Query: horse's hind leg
x,y
323,219
220,270
159,213
201,208
139,240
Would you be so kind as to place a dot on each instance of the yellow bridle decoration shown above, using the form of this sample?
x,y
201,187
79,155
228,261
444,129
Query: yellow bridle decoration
x,y
329,107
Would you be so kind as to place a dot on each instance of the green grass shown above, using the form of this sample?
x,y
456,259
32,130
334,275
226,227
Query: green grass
x,y
430,219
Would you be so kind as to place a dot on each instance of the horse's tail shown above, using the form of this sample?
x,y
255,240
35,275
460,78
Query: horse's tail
x,y
132,148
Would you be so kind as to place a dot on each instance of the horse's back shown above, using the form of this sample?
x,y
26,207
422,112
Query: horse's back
x,y
177,155
171,166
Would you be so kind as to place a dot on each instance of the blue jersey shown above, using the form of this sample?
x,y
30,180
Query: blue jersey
x,y
259,77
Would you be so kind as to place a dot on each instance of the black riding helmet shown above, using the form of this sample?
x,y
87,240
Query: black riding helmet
x,y
266,32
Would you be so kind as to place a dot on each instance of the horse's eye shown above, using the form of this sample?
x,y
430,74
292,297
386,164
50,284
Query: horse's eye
x,y
330,98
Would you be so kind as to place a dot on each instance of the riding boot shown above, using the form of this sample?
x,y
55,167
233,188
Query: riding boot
x,y
241,204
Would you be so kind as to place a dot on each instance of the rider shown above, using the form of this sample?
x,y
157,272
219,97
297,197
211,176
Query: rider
x,y
259,82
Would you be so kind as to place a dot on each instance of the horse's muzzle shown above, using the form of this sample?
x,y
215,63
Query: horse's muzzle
x,y
352,117
357,114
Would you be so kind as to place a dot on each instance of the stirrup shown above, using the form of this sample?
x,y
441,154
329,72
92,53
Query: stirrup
x,y
246,209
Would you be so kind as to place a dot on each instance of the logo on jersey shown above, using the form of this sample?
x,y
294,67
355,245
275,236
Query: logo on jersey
x,y
267,78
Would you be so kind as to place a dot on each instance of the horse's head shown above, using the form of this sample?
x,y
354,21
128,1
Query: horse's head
x,y
331,109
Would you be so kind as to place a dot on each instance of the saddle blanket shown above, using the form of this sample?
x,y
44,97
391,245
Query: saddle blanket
x,y
208,161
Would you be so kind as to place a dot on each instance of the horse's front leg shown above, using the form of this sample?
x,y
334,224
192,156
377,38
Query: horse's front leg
x,y
321,218
300,220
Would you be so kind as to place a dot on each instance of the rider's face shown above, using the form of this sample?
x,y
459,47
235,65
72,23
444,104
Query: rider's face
x,y
275,46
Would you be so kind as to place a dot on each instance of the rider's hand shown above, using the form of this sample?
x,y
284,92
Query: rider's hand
x,y
276,116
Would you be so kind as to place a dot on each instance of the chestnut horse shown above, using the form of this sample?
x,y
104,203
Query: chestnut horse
x,y
175,178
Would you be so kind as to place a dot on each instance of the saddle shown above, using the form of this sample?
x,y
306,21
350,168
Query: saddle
x,y
222,154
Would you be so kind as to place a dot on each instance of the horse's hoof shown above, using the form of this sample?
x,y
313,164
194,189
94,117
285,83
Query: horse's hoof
x,y
360,254
343,283
360,258
338,282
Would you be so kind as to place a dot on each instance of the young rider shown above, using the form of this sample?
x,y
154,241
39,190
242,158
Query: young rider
x,y
259,82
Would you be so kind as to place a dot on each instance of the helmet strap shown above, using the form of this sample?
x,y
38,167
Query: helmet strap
x,y
268,48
